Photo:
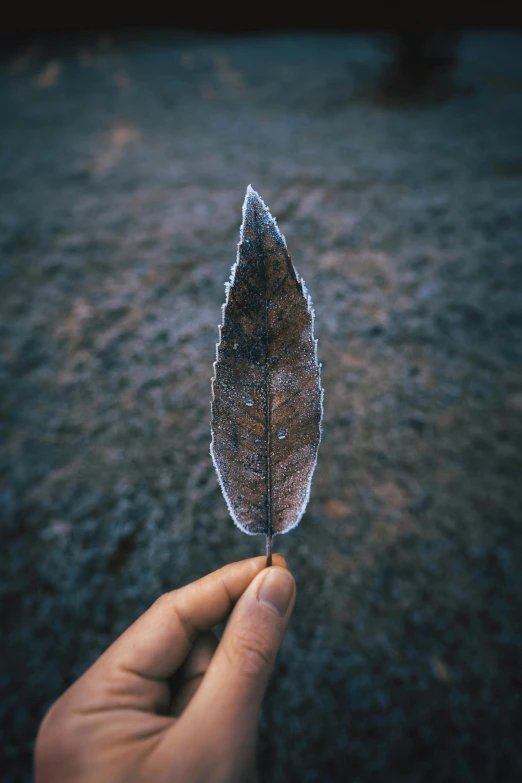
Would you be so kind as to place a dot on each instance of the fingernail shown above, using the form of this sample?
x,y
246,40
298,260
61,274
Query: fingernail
x,y
277,590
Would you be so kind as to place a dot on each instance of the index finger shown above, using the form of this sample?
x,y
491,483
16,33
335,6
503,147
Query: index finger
x,y
160,640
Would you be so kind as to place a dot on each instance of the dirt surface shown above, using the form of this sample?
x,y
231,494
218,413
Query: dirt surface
x,y
124,164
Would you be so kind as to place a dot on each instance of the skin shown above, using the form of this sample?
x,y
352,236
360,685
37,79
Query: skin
x,y
167,703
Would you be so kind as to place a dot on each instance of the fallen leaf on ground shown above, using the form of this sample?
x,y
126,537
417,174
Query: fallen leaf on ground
x,y
336,509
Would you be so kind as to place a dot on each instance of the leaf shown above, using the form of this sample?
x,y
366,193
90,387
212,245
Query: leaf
x,y
266,392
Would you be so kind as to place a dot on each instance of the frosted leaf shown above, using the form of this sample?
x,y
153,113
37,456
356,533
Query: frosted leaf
x,y
267,361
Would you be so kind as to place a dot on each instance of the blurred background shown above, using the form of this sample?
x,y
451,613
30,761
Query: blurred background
x,y
390,154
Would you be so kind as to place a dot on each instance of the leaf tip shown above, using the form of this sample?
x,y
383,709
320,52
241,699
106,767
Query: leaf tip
x,y
258,220
254,201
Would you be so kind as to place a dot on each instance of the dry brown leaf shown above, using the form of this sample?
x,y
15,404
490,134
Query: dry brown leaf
x,y
392,495
48,76
336,509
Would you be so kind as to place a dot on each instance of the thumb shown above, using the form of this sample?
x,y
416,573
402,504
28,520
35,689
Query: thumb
x,y
235,682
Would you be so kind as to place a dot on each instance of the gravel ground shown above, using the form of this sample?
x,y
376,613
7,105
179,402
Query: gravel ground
x,y
123,166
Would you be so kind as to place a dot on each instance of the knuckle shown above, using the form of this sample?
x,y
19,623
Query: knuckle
x,y
252,650
165,599
172,603
166,603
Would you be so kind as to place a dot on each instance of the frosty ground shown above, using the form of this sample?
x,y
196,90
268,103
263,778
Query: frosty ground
x,y
124,163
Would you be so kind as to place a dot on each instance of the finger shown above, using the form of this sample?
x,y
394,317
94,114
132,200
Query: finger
x,y
187,679
159,641
229,698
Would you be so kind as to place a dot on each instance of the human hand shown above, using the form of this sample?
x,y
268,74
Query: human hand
x,y
166,703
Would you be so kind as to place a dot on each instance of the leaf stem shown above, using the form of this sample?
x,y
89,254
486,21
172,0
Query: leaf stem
x,y
268,551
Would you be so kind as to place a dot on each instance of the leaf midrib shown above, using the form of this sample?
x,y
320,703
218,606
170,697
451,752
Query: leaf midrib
x,y
268,420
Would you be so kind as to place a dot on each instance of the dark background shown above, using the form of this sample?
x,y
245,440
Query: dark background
x,y
226,18
389,150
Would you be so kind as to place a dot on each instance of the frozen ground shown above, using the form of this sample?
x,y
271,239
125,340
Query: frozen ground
x,y
123,168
